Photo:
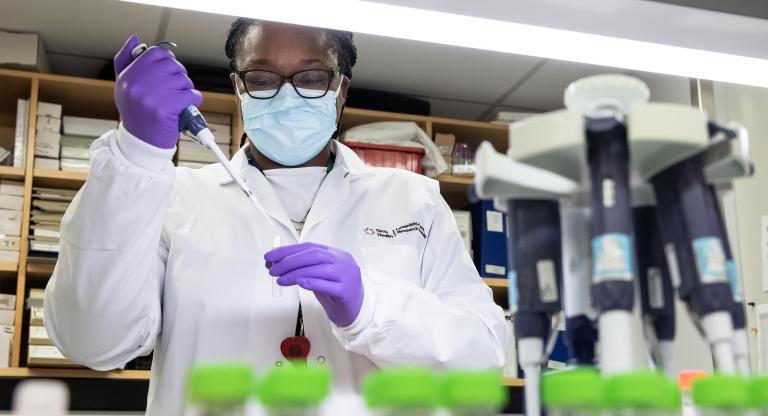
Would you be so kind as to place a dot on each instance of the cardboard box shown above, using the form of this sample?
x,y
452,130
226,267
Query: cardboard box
x,y
9,256
11,202
23,51
84,126
217,118
38,335
9,243
45,123
5,349
47,163
36,298
15,188
10,222
20,135
222,133
7,302
7,317
445,143
48,109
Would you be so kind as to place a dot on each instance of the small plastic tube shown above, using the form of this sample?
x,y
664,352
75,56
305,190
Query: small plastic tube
x,y
277,290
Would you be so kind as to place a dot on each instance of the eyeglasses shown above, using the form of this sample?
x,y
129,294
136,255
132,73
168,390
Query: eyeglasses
x,y
263,85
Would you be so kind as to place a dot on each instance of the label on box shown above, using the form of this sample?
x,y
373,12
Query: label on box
x,y
495,221
50,124
10,222
493,269
37,333
6,329
547,281
710,259
612,257
48,109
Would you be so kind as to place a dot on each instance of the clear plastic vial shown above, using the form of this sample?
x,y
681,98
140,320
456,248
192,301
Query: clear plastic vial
x,y
294,390
472,393
574,391
721,395
219,389
402,392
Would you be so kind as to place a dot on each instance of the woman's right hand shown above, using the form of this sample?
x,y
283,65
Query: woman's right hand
x,y
150,93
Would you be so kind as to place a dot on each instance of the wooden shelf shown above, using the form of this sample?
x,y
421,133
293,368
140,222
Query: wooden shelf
x,y
456,180
24,372
513,382
496,282
8,172
8,267
59,179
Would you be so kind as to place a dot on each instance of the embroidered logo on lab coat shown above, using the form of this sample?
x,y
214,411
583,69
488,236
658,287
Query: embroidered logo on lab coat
x,y
407,228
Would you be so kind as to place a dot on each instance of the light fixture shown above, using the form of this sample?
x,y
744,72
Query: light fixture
x,y
493,35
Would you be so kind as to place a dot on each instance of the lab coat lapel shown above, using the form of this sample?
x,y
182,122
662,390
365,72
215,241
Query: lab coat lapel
x,y
334,190
259,185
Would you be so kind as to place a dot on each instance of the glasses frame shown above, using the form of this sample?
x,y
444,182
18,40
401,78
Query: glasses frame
x,y
286,78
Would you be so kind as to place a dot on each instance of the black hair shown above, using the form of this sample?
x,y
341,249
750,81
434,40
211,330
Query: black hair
x,y
340,41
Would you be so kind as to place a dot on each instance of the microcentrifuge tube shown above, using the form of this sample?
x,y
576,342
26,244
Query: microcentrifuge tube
x,y
277,290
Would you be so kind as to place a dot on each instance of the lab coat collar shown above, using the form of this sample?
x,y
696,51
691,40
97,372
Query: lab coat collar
x,y
333,192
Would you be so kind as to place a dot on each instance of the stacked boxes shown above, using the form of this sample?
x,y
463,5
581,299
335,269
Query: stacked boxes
x,y
41,351
7,316
48,207
79,133
464,222
48,137
193,155
11,203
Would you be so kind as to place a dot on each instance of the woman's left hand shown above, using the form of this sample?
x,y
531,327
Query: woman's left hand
x,y
331,274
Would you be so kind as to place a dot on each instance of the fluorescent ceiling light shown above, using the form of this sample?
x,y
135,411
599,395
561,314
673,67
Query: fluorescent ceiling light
x,y
493,35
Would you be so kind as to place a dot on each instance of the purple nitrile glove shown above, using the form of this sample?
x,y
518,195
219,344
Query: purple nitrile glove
x,y
150,93
332,274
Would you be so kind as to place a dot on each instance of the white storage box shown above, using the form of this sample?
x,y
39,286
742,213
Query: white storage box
x,y
12,188
23,50
76,147
7,302
47,355
10,222
46,163
45,123
75,165
83,126
7,317
11,202
9,243
36,315
38,335
48,109
47,144
9,256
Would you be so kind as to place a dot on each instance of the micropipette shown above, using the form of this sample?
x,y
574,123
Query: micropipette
x,y
194,126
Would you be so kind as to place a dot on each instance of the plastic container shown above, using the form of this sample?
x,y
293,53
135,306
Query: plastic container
x,y
641,393
685,380
758,395
386,156
294,390
472,393
721,395
572,392
463,160
220,389
402,392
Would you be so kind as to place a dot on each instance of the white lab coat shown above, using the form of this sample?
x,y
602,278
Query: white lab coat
x,y
171,259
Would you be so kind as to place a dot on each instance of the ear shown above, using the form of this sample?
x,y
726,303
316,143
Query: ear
x,y
236,85
344,88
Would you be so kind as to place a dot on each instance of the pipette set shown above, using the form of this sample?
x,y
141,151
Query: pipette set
x,y
613,211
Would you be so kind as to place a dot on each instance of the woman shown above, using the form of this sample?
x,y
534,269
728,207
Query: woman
x,y
372,268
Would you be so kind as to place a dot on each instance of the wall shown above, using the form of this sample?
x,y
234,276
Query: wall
x,y
750,196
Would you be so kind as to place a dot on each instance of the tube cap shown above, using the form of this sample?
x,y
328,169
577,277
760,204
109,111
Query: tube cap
x,y
686,378
295,385
472,388
401,387
641,390
721,391
672,400
578,387
758,392
220,382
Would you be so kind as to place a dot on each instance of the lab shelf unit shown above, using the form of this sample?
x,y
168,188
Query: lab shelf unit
x,y
94,98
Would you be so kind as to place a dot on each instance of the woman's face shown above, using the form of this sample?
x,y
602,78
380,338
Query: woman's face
x,y
287,49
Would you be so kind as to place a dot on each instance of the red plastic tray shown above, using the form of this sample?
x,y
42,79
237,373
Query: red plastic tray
x,y
387,156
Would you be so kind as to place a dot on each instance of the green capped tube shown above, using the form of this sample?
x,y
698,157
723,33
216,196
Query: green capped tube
x,y
220,389
294,390
472,393
402,392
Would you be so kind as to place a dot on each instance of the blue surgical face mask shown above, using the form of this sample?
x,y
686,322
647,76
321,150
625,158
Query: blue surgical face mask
x,y
288,128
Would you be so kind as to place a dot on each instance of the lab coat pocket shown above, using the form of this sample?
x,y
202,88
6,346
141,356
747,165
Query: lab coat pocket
x,y
396,261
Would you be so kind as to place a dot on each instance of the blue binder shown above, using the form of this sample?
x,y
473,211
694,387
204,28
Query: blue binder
x,y
489,240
